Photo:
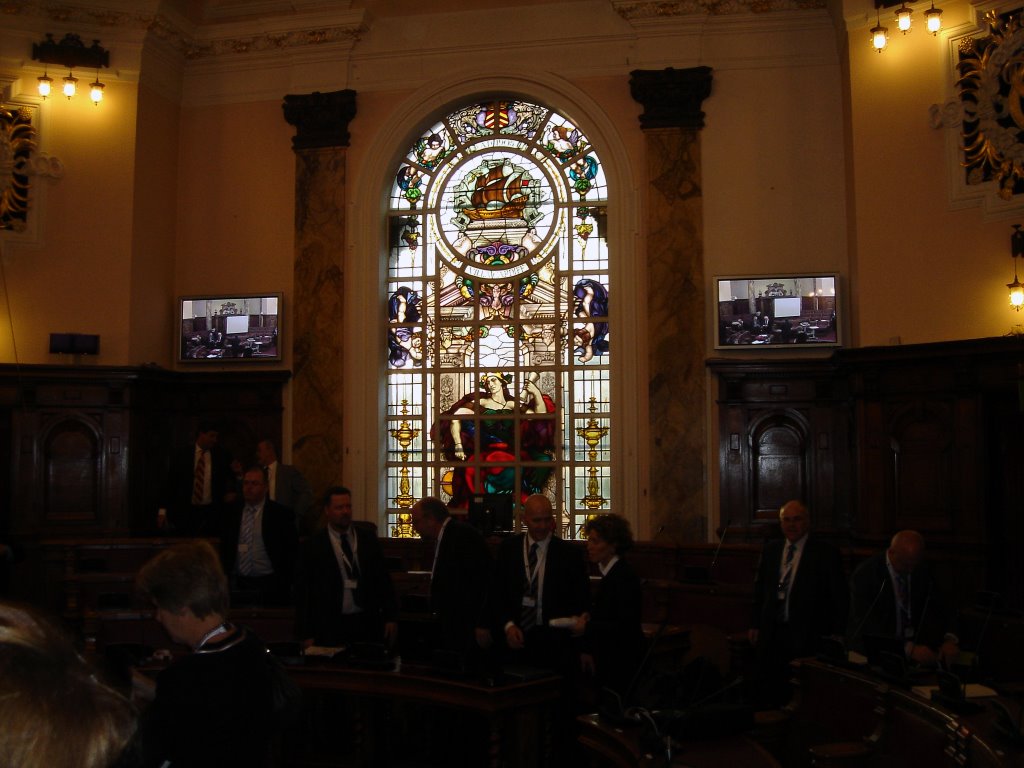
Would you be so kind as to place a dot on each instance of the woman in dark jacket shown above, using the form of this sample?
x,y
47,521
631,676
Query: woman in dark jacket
x,y
613,638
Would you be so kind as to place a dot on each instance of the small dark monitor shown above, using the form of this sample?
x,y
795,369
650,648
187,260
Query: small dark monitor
x,y
491,513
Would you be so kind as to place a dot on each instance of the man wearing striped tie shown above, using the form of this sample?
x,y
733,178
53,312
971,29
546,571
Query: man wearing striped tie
x,y
259,544
197,483
800,596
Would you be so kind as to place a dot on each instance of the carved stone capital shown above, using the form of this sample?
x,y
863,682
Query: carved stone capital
x,y
321,118
672,98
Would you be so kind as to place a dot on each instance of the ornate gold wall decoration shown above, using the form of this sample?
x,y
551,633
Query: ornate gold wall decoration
x,y
17,141
991,89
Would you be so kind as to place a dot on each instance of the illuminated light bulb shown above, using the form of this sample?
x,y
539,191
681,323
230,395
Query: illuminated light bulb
x,y
933,19
879,35
45,85
903,19
70,85
96,92
1016,293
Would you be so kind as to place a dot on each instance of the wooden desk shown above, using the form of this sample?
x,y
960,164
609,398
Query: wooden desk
x,y
397,705
612,747
835,708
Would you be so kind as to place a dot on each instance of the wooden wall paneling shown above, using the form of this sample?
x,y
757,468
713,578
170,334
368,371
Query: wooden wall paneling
x,y
784,428
71,469
779,447
89,446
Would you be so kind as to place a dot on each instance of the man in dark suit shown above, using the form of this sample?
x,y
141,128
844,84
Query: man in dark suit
x,y
458,578
538,577
258,544
800,596
343,590
198,481
893,595
288,487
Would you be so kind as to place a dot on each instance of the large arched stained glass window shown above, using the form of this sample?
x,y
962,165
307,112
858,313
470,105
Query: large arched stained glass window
x,y
498,337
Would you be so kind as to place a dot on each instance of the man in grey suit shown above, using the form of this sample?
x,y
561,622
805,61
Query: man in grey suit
x,y
288,487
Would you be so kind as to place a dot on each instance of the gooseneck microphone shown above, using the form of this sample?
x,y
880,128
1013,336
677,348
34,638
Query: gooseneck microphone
x,y
867,614
718,549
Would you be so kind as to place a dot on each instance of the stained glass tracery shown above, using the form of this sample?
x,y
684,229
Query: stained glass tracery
x,y
498,334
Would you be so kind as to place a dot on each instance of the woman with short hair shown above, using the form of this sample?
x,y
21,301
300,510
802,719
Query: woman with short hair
x,y
613,636
215,706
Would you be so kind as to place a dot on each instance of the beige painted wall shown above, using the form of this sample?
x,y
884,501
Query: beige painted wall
x,y
76,277
926,271
236,201
152,308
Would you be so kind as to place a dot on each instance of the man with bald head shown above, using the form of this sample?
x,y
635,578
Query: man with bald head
x,y
894,595
800,596
537,577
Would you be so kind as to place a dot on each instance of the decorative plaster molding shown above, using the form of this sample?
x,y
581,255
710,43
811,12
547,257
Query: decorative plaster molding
x,y
948,116
196,49
208,41
45,165
654,11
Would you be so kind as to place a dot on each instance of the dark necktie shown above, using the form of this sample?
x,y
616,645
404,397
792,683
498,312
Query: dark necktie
x,y
788,570
528,618
903,596
346,548
787,577
199,479
247,536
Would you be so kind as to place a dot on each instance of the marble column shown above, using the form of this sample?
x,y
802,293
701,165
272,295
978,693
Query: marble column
x,y
320,144
676,312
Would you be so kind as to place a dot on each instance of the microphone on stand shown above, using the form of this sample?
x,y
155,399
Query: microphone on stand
x,y
867,614
718,549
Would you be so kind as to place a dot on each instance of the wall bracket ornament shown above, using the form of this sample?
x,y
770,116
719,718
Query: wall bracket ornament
x,y
17,142
991,91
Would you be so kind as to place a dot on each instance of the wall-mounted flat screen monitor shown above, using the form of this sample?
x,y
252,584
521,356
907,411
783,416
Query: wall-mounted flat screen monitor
x,y
229,327
777,311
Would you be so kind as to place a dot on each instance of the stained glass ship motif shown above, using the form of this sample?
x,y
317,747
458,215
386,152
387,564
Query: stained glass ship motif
x,y
501,193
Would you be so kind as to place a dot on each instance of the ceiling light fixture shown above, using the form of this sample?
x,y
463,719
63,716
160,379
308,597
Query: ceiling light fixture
x,y
879,35
933,19
903,15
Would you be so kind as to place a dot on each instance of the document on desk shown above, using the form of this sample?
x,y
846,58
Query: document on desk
x,y
323,651
971,691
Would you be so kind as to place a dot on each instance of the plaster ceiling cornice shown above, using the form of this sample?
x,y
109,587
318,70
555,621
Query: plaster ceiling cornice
x,y
206,41
651,12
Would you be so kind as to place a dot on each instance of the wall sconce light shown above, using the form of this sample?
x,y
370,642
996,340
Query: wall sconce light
x,y
70,85
880,35
1016,251
933,19
96,90
903,18
70,52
